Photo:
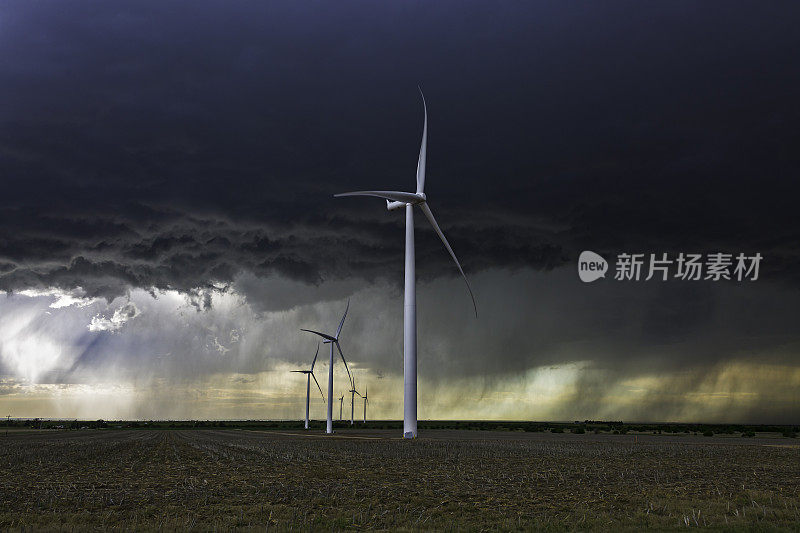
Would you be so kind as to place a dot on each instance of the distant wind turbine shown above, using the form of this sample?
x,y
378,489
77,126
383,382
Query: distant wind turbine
x,y
333,339
407,200
310,374
341,401
353,393
366,401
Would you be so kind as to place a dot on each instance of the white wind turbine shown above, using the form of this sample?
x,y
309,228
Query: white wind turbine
x,y
333,339
310,374
407,200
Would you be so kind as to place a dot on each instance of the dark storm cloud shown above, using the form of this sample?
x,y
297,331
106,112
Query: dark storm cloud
x,y
194,146
146,145
107,253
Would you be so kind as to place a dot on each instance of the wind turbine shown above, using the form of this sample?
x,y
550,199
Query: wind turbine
x,y
333,339
341,402
353,393
310,374
407,200
366,401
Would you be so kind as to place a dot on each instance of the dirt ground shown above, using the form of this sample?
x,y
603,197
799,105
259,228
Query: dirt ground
x,y
453,480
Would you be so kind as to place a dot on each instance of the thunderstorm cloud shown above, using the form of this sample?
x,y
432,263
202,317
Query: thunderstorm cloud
x,y
167,223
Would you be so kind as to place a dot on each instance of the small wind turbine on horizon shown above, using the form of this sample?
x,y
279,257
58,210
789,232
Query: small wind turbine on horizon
x,y
310,374
341,402
353,393
407,200
333,339
366,401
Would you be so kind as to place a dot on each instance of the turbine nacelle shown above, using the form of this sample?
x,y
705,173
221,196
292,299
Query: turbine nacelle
x,y
402,199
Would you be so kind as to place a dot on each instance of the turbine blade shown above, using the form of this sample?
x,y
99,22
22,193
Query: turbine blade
x,y
423,148
338,331
323,335
429,215
396,196
298,371
315,359
349,375
320,388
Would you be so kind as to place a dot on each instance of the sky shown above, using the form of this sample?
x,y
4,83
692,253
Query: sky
x,y
167,220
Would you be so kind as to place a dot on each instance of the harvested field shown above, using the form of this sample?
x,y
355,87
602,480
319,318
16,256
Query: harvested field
x,y
206,479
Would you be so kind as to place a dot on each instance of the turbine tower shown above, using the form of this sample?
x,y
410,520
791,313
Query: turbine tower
x,y
407,200
333,339
366,401
310,374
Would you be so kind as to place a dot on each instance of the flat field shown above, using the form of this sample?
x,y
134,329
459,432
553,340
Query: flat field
x,y
445,480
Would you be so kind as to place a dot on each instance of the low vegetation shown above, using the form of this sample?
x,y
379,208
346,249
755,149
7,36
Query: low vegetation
x,y
617,427
454,480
